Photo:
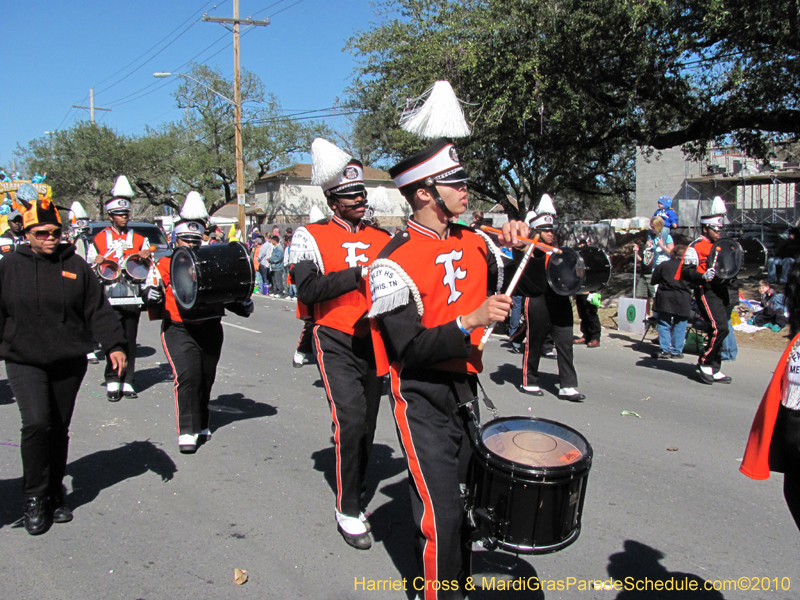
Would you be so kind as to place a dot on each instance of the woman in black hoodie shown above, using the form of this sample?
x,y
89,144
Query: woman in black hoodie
x,y
51,307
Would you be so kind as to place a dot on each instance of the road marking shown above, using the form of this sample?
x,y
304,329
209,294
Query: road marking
x,y
240,327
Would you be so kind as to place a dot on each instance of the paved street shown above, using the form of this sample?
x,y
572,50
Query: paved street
x,y
153,524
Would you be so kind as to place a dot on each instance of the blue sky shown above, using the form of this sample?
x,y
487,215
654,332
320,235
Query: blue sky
x,y
54,51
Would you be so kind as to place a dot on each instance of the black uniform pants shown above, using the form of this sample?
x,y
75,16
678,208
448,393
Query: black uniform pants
x,y
306,343
789,436
590,322
129,319
437,448
717,312
46,399
347,367
549,314
193,351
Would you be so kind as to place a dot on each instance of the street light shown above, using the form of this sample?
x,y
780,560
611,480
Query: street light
x,y
238,139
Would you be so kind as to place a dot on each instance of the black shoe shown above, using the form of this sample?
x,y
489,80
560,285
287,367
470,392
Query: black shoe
x,y
707,379
535,391
61,512
93,360
516,349
662,355
36,515
722,379
677,355
362,541
115,395
572,397
130,394
551,355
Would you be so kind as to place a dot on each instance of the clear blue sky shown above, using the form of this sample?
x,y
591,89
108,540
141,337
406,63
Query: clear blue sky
x,y
55,51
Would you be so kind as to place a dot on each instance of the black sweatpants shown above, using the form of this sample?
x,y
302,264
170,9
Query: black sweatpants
x,y
437,448
347,367
193,351
549,313
716,312
590,322
129,319
46,399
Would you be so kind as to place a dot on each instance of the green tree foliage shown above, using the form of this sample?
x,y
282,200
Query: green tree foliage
x,y
194,153
559,94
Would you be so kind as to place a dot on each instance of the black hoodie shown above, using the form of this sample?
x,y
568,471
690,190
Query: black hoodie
x,y
51,307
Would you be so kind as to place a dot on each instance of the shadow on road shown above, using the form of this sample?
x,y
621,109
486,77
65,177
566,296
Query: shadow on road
x,y
639,562
144,351
677,366
6,395
502,572
147,378
229,408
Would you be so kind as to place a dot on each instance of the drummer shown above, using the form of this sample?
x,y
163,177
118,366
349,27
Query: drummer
x,y
429,294
546,312
329,261
115,243
192,339
712,293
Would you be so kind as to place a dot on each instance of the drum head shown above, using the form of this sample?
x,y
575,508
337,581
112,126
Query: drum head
x,y
108,270
183,276
136,268
726,257
534,443
566,272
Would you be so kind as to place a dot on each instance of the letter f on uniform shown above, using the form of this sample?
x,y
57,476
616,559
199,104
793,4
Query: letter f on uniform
x,y
451,273
352,258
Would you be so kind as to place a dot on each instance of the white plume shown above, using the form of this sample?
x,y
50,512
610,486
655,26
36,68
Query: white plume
x,y
122,189
327,161
718,206
315,214
379,200
439,116
78,211
546,206
194,207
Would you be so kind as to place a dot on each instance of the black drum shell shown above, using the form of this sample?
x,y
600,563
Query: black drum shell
x,y
578,270
524,509
222,273
754,259
726,257
597,269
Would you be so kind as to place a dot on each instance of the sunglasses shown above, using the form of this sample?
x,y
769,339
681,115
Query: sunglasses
x,y
360,204
43,234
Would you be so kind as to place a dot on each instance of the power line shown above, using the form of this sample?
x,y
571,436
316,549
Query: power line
x,y
287,8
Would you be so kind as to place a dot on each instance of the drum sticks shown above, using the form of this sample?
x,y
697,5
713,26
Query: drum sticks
x,y
534,242
514,280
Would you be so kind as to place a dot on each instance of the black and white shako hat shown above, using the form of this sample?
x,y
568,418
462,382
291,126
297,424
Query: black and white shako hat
x,y
338,173
438,163
121,196
545,214
192,224
716,217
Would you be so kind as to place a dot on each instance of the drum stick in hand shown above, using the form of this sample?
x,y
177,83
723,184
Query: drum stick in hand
x,y
514,280
535,241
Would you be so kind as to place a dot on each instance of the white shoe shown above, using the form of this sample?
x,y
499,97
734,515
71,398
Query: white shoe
x,y
533,390
299,359
187,443
353,531
363,518
570,394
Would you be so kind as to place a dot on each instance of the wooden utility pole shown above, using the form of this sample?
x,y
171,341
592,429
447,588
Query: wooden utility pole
x,y
237,99
91,108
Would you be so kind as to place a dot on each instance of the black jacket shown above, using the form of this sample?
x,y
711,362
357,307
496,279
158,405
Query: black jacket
x,y
51,307
673,296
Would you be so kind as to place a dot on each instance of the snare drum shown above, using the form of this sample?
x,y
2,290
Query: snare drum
x,y
211,274
527,485
754,261
578,270
135,268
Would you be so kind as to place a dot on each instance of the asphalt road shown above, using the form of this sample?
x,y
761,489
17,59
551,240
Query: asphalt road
x,y
153,524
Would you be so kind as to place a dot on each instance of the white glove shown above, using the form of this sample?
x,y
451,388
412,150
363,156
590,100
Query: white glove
x,y
154,295
710,274
364,272
249,307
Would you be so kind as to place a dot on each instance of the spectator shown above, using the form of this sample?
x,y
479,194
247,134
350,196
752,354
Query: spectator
x,y
291,288
258,241
666,213
263,266
773,309
477,219
785,255
672,306
276,267
657,250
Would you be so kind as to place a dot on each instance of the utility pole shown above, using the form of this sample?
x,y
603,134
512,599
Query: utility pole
x,y
237,99
91,108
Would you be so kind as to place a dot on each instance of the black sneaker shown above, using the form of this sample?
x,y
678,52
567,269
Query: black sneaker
x,y
36,515
661,355
61,512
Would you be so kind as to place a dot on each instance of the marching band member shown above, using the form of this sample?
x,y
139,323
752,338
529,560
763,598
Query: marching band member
x,y
712,293
115,243
192,339
79,225
51,307
429,299
329,260
546,313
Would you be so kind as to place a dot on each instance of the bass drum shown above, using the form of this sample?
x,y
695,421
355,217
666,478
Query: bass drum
x,y
578,270
527,485
213,274
726,257
754,260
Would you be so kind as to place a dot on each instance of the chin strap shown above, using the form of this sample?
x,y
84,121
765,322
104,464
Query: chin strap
x,y
440,203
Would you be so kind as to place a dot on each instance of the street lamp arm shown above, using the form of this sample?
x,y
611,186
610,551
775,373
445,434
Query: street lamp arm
x,y
161,75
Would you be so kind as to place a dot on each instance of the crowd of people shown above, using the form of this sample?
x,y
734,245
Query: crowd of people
x,y
412,307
